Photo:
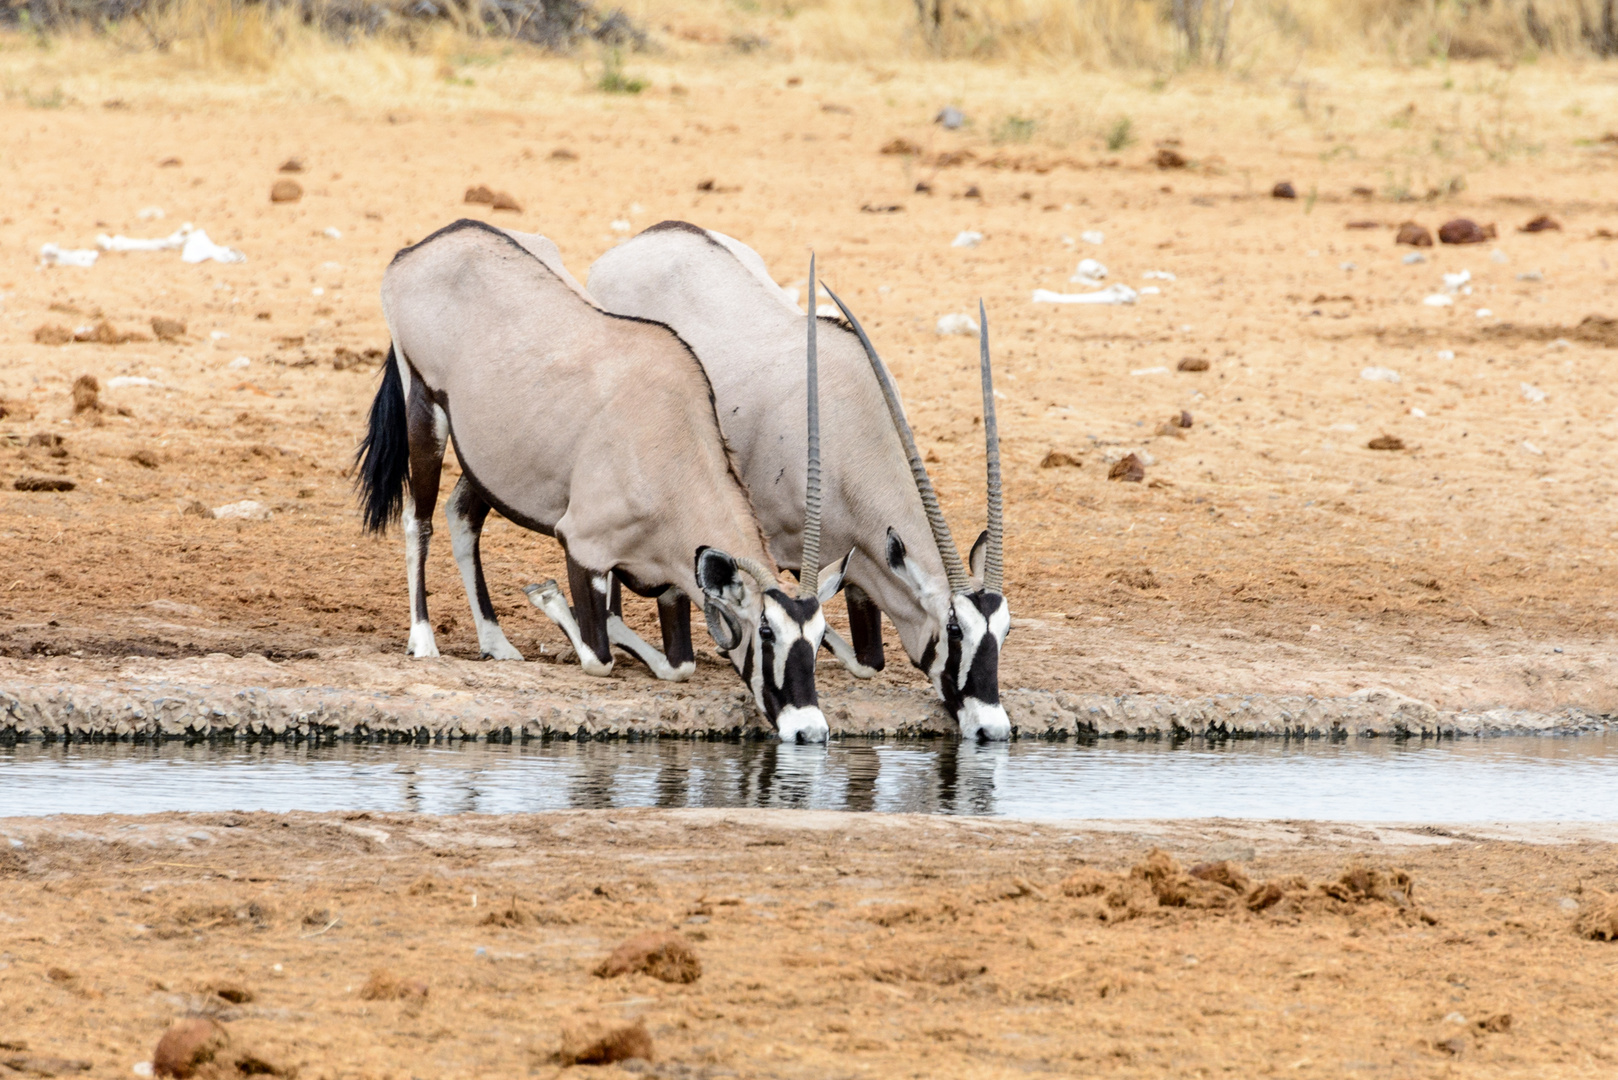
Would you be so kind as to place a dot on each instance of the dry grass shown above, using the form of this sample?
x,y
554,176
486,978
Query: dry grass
x,y
1246,36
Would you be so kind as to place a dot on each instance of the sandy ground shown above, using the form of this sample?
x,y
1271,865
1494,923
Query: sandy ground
x,y
1268,549
830,945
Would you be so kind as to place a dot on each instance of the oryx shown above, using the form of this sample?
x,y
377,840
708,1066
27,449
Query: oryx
x,y
594,428
718,296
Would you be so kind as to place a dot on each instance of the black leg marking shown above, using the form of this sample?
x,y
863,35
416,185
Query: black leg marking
x,y
674,617
426,464
864,627
590,591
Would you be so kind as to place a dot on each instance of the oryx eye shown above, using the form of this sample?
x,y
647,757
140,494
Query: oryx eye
x,y
954,628
766,632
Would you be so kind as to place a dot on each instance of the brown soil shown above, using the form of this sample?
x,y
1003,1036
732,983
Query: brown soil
x,y
830,945
1264,549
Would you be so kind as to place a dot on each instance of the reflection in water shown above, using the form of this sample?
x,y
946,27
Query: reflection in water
x,y
1528,779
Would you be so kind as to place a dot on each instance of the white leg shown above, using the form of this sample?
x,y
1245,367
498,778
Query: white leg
x,y
421,641
549,599
464,532
619,633
844,652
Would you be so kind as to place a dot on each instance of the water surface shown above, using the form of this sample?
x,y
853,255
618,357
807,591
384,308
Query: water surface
x,y
1465,780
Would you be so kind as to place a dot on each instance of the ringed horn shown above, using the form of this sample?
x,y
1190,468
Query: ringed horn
x,y
809,572
994,570
959,581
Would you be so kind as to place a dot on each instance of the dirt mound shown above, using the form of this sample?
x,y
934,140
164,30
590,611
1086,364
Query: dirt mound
x,y
668,957
596,1042
385,986
1598,919
1160,882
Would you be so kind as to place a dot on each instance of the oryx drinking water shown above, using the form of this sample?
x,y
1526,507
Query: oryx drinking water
x,y
718,296
594,428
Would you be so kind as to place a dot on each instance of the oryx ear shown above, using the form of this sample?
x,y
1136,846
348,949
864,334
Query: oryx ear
x,y
979,550
727,633
903,566
831,578
718,575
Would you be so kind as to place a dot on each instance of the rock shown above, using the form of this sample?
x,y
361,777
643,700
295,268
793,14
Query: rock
x,y
187,1046
1060,459
1128,468
1543,223
168,329
1184,419
972,192
169,163
1165,158
246,510
43,483
286,191
881,208
596,1042
102,333
1192,363
144,458
292,165
504,201
923,188
957,324
1363,224
383,986
562,153
1386,442
950,118
52,334
668,957
901,146
479,195
1414,235
1284,190
234,993
1464,231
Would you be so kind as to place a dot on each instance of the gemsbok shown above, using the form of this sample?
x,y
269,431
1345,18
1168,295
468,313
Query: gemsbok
x,y
719,297
597,429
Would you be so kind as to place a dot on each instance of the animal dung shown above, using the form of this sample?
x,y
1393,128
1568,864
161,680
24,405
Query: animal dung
x,y
562,153
1167,158
1386,442
1060,459
503,201
146,459
479,195
291,165
597,1042
43,483
666,957
1128,468
901,146
188,1046
1283,190
1543,223
286,191
1192,363
1464,231
168,329
86,394
923,188
1413,234
52,334
972,192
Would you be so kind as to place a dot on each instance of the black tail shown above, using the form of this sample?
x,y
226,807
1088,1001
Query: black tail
x,y
382,463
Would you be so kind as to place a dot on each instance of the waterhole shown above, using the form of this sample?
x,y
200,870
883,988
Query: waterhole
x,y
1571,778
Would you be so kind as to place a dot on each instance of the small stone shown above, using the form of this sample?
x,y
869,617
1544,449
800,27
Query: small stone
x,y
950,118
562,153
504,201
168,329
1543,223
972,192
1192,363
1386,442
145,459
187,1046
1060,459
292,165
1128,468
479,195
1413,234
1165,158
52,334
595,1042
1285,190
286,191
901,146
1184,419
1464,231
667,957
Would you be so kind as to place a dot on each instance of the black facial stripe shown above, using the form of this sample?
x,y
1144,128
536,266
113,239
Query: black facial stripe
x,y
982,667
747,666
799,688
929,654
983,677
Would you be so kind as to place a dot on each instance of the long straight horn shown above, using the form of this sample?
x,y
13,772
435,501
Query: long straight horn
x,y
809,568
994,570
959,581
